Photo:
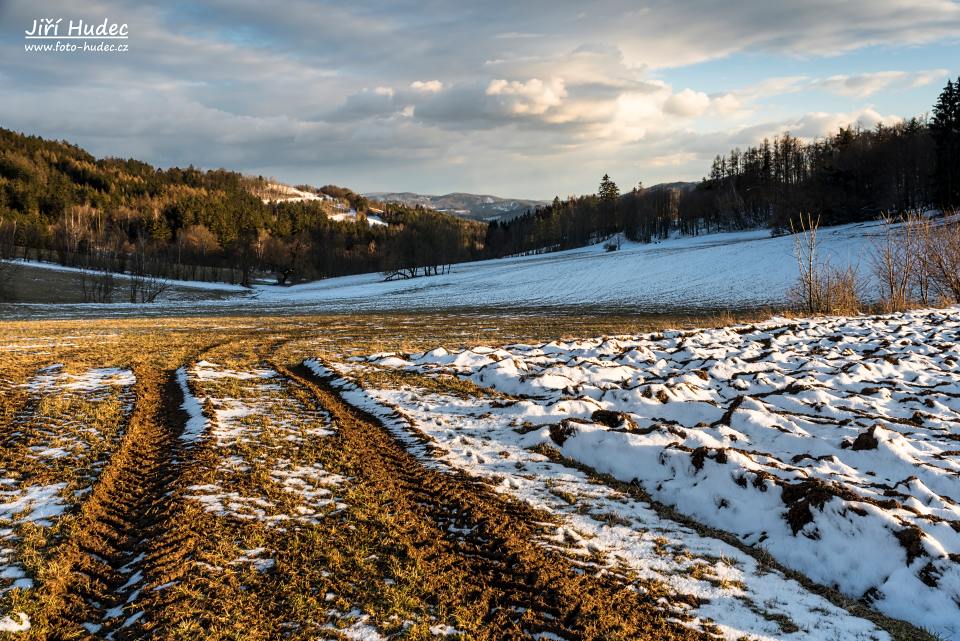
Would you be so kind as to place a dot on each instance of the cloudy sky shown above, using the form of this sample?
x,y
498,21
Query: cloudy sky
x,y
519,98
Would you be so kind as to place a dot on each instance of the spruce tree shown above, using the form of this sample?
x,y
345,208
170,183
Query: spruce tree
x,y
609,192
945,130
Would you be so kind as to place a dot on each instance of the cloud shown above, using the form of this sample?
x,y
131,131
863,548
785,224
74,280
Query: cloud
x,y
816,124
819,124
517,35
681,33
531,97
867,84
687,103
924,78
430,86
727,104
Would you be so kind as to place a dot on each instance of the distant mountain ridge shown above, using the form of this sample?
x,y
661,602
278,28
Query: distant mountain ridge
x,y
484,206
472,206
680,185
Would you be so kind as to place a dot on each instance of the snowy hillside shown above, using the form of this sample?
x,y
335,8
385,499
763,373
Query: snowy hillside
x,y
732,270
473,206
280,193
351,217
828,443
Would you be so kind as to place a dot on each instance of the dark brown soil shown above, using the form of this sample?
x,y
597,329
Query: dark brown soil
x,y
116,522
492,561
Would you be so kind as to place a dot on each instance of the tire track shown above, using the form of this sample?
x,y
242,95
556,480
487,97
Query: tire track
x,y
91,577
191,588
487,548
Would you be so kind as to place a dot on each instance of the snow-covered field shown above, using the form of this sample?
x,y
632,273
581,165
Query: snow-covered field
x,y
831,444
280,193
732,270
351,217
741,270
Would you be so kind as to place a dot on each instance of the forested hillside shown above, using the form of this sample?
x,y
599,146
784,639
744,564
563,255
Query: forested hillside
x,y
59,202
851,176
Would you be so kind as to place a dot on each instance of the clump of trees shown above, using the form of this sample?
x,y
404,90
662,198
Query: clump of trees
x,y
915,261
945,131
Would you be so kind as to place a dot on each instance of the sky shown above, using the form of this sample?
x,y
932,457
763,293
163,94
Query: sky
x,y
522,99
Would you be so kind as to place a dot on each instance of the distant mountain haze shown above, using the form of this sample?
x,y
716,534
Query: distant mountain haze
x,y
472,206
483,206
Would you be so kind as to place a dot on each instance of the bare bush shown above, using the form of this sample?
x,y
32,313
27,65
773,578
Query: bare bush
x,y
7,271
821,287
941,259
895,263
8,233
142,285
918,238
841,289
97,285
400,273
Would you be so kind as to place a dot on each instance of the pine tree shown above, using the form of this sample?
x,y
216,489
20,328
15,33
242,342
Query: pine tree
x,y
945,130
609,192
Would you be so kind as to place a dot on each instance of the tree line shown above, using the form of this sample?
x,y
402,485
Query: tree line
x,y
853,175
58,202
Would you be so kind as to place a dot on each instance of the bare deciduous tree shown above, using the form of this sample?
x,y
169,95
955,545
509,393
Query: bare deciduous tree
x,y
805,251
143,286
97,285
8,234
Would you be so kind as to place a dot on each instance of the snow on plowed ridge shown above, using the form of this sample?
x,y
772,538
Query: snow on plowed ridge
x,y
715,585
829,442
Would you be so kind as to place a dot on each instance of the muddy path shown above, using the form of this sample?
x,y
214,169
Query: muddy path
x,y
91,576
484,569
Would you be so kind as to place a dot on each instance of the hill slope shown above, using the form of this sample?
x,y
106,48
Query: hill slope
x,y
473,206
718,271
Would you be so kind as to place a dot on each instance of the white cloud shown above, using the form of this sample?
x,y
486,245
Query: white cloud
x,y
861,85
531,97
687,103
727,104
867,84
429,86
924,78
383,91
517,35
819,124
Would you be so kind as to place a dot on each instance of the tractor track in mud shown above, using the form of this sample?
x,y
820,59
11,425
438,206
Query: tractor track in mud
x,y
129,535
89,580
486,549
